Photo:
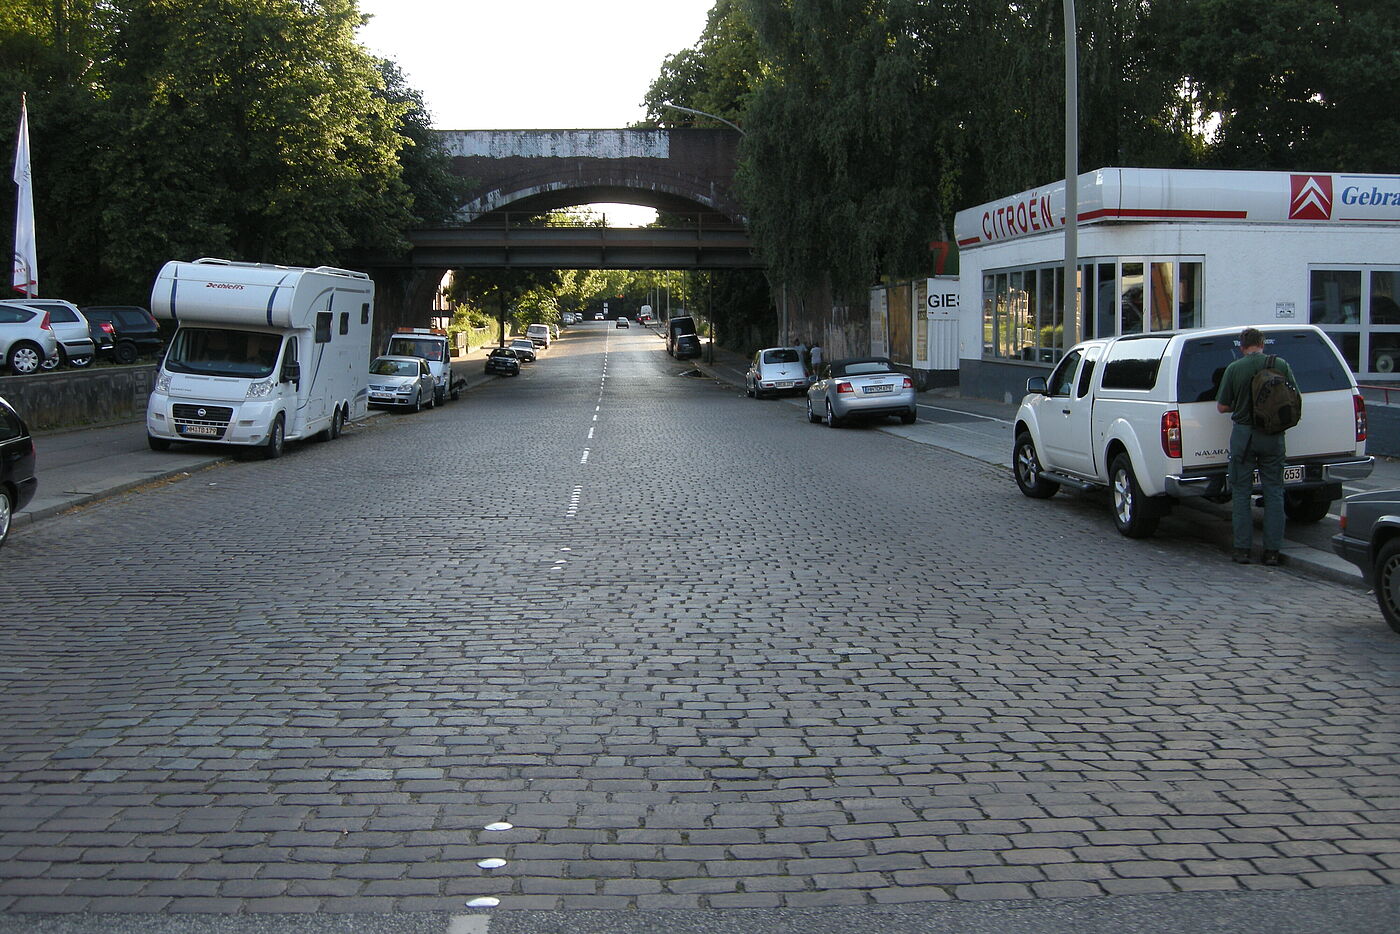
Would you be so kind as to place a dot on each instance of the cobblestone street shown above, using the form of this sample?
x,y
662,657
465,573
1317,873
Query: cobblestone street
x,y
697,652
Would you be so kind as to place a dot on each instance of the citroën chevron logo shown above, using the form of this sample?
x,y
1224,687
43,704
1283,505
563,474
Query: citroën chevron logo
x,y
1311,198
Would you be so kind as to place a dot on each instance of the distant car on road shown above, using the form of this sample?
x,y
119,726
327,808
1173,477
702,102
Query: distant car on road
x,y
1370,539
776,370
598,316
26,338
622,323
17,480
686,346
504,361
137,331
861,387
401,381
524,349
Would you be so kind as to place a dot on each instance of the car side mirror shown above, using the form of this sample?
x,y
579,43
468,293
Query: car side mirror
x,y
291,372
1037,384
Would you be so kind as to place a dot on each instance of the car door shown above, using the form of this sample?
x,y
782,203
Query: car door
x,y
1064,416
425,379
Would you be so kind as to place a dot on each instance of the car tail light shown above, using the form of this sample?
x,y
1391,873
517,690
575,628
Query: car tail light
x,y
908,383
45,323
1171,433
1360,405
844,388
107,326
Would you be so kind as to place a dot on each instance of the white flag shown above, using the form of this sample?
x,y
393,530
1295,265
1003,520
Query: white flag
x,y
26,279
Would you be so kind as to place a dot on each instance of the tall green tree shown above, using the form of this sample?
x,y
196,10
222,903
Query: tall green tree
x,y
254,129
717,75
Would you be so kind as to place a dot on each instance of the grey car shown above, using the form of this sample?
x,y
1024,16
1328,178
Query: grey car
x,y
26,338
70,328
861,388
775,370
401,381
1370,539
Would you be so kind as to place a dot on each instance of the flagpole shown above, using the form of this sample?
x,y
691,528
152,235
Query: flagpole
x,y
26,270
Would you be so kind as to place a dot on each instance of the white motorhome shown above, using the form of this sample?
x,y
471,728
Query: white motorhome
x,y
263,354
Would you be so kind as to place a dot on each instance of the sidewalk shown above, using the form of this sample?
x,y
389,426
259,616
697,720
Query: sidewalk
x,y
82,465
981,429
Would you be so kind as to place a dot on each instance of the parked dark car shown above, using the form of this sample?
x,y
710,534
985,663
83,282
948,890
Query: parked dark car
x,y
17,481
104,338
504,361
677,327
1370,539
687,346
136,330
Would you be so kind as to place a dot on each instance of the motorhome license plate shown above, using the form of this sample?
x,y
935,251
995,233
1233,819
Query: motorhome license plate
x,y
207,430
1290,475
883,387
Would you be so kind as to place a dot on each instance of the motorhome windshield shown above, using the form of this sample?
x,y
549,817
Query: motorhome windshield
x,y
222,352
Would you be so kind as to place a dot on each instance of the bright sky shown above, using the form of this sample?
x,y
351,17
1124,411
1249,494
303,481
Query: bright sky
x,y
532,64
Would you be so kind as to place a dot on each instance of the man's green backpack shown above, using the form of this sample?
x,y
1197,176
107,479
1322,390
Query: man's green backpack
x,y
1277,404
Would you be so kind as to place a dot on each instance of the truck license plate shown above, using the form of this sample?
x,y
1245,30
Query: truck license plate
x,y
883,387
1290,475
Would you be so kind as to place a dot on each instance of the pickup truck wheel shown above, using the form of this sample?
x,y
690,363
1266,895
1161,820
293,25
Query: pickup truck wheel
x,y
439,397
1387,582
276,439
1305,506
1027,465
1133,511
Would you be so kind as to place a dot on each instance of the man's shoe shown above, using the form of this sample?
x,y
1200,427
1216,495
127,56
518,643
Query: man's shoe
x,y
1273,559
1241,556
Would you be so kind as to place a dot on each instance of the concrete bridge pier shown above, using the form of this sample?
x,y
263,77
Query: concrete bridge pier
x,y
403,298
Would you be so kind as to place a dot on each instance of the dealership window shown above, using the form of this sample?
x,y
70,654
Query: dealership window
x,y
1359,308
1023,309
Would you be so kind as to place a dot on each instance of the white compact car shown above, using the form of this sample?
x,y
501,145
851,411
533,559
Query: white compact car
x,y
26,338
70,329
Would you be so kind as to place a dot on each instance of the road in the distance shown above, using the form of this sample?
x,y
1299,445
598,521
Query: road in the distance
x,y
698,653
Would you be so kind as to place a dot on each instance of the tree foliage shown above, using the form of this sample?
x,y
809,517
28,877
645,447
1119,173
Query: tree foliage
x,y
251,129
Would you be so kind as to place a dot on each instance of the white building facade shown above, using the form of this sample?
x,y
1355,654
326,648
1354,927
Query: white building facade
x,y
1165,249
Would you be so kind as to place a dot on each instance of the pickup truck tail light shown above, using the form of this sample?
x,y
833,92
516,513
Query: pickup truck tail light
x,y
908,383
1171,433
844,388
1360,405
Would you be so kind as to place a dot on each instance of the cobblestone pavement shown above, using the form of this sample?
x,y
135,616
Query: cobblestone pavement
x,y
698,652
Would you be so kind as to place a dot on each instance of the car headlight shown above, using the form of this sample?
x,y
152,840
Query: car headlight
x,y
162,383
259,389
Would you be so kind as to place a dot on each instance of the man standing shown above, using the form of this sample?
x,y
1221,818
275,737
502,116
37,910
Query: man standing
x,y
1252,448
816,356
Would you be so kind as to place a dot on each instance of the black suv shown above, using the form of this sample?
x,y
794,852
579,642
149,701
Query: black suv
x,y
136,330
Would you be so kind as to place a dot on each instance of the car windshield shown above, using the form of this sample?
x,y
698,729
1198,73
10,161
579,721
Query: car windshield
x,y
503,352
222,352
523,343
385,367
428,349
783,355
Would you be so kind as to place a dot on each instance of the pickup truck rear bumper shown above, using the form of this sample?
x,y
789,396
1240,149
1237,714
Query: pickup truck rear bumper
x,y
1216,482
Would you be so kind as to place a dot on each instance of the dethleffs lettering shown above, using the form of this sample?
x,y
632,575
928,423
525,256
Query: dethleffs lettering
x,y
1022,217
1354,194
223,285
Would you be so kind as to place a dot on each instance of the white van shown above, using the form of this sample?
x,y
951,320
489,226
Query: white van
x,y
539,333
263,353
432,345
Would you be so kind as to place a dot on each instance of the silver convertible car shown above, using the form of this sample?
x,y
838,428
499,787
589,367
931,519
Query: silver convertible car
x,y
861,387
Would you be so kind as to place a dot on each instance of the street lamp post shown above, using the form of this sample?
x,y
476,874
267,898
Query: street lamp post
x,y
1071,308
701,113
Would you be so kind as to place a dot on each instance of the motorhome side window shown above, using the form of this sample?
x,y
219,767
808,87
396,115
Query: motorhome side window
x,y
364,313
1133,363
345,322
323,327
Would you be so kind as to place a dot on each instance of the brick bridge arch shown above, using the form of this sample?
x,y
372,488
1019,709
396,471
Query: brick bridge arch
x,y
534,171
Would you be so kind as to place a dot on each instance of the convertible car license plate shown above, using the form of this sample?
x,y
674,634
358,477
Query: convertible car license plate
x,y
206,430
1290,475
883,387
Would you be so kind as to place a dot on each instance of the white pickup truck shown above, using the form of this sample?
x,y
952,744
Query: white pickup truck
x,y
1136,415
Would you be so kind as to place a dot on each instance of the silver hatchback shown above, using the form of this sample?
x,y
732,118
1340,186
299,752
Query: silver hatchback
x,y
26,338
401,381
776,370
